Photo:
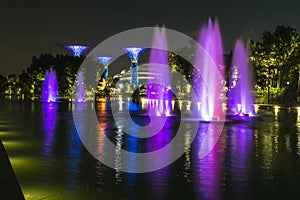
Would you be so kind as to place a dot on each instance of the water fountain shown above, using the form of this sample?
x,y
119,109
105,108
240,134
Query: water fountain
x,y
50,88
240,99
80,94
209,96
159,97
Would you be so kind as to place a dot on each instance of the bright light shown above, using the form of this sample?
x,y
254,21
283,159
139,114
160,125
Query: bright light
x,y
239,108
256,107
276,110
77,50
134,52
104,60
198,105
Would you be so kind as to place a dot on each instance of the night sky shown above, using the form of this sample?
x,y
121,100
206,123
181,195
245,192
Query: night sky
x,y
33,27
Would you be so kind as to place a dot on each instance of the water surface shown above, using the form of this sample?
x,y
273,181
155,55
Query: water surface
x,y
257,159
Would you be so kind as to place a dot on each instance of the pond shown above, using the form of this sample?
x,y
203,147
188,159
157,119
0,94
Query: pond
x,y
253,159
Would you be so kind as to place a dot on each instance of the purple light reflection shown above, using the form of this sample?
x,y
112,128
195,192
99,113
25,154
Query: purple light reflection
x,y
209,169
49,120
159,177
239,145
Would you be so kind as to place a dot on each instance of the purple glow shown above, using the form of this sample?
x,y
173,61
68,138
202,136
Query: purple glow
x,y
209,92
80,94
240,99
134,54
77,50
49,119
160,177
162,93
50,88
239,146
209,170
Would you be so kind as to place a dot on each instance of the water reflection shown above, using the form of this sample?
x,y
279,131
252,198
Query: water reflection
x,y
187,154
118,156
159,178
74,160
49,119
104,124
239,147
209,169
131,144
258,159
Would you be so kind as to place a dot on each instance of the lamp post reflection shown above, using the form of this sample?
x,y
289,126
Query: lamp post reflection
x,y
104,123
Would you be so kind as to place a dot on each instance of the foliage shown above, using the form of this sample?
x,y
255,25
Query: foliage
x,y
276,59
29,82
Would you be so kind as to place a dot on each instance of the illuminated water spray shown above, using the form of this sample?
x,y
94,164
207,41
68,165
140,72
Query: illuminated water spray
x,y
159,96
240,99
50,88
134,54
209,93
80,91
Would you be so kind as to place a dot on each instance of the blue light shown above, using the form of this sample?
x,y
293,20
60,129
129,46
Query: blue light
x,y
134,52
104,60
77,50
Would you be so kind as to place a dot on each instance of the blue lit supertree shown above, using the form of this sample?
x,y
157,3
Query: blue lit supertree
x,y
134,54
77,50
105,61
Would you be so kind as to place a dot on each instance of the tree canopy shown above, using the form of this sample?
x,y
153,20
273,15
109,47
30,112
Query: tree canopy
x,y
276,61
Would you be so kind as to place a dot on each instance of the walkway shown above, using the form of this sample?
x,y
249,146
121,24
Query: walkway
x,y
9,186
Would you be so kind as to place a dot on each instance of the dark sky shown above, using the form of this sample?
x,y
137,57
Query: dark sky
x,y
32,27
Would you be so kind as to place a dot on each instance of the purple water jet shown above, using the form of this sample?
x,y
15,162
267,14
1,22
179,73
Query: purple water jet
x,y
209,79
50,88
240,99
80,94
159,96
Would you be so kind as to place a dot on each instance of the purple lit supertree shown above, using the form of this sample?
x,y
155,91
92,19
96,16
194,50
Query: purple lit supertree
x,y
134,54
77,50
105,61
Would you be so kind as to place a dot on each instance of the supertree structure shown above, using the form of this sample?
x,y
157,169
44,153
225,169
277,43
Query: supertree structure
x,y
105,61
134,54
76,50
